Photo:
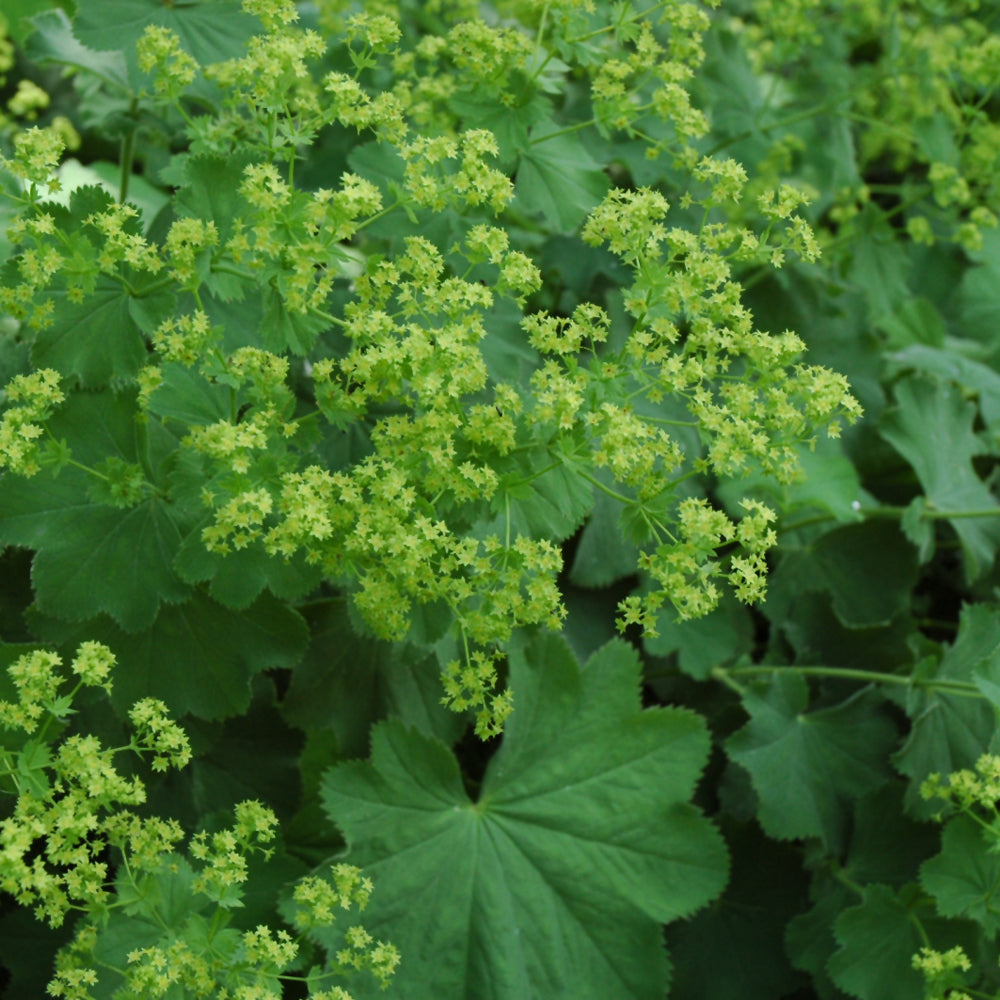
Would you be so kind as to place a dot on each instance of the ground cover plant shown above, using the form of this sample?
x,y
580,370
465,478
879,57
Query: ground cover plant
x,y
498,500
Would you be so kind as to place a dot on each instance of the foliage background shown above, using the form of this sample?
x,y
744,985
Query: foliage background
x,y
746,777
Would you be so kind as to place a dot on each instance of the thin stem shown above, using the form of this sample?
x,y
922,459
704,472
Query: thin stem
x,y
563,131
959,689
378,215
127,158
599,485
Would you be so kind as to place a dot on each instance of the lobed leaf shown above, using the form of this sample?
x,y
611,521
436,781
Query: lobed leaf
x,y
554,880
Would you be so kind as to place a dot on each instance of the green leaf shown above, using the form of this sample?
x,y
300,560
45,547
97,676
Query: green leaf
x,y
807,620
508,123
704,643
238,578
603,556
978,307
965,876
581,842
53,41
879,265
914,321
869,568
545,500
559,178
199,657
92,558
829,483
949,364
99,339
878,939
807,767
283,330
211,191
931,427
187,396
347,682
209,30
809,936
251,756
886,845
950,732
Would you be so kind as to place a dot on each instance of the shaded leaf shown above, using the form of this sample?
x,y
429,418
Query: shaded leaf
x,y
951,732
931,427
554,882
53,41
91,557
346,682
199,657
870,570
559,178
878,940
964,877
807,767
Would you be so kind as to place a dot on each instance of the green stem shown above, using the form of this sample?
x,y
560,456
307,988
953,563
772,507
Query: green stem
x,y
621,20
599,485
563,131
127,158
399,202
959,689
894,513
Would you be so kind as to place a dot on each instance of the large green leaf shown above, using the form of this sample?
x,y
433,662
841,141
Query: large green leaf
x,y
965,877
92,557
199,657
53,41
559,178
209,31
99,339
878,939
931,427
950,732
554,880
346,682
808,767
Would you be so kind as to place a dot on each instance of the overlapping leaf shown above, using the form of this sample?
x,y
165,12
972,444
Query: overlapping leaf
x,y
92,557
951,731
347,682
211,32
878,939
965,877
553,881
931,427
200,657
559,178
807,767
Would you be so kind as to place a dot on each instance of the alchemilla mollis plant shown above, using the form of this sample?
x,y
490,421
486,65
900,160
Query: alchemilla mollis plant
x,y
482,482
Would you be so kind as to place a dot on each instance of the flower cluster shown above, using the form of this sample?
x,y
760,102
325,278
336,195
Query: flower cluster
x,y
72,806
223,854
157,733
318,899
70,797
34,397
967,789
945,60
942,972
